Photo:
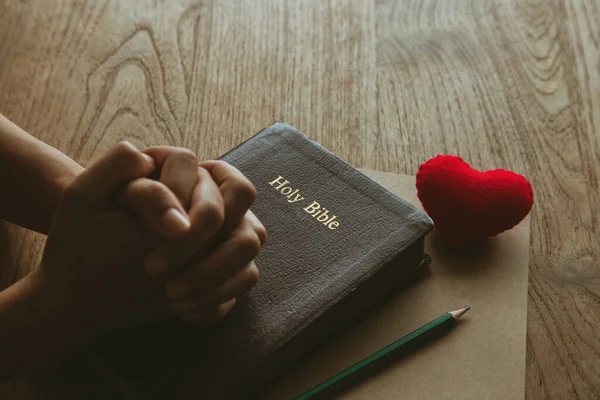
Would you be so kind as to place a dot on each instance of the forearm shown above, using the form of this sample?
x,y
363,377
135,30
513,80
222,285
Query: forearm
x,y
33,176
32,334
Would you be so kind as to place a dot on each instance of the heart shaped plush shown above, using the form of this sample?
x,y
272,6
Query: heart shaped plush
x,y
467,205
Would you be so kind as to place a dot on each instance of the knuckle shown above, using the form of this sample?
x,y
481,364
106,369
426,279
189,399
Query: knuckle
x,y
257,226
186,154
156,187
130,156
203,174
212,214
261,232
221,164
125,149
243,191
145,192
155,190
250,244
252,274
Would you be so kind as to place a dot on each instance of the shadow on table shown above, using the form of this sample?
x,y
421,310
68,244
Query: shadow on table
x,y
145,362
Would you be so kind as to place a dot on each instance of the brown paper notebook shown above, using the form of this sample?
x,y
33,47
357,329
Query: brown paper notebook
x,y
482,358
338,242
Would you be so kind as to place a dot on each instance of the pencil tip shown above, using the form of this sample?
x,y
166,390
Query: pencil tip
x,y
459,313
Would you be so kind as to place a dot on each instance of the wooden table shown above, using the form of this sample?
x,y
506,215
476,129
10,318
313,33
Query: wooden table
x,y
384,84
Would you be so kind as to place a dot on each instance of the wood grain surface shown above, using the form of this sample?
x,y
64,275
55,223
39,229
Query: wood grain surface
x,y
384,84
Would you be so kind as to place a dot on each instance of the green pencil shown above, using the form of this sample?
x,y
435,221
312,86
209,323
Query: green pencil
x,y
370,364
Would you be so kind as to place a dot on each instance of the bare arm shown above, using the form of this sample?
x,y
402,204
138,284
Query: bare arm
x,y
91,274
32,331
33,176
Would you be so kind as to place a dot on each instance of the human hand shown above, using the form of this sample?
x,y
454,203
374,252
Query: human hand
x,y
92,278
212,264
92,275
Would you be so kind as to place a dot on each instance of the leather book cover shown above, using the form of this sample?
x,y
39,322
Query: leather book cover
x,y
338,242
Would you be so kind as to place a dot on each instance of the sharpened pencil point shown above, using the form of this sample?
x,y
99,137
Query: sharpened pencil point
x,y
459,313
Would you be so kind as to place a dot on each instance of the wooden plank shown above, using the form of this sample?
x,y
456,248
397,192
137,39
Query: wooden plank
x,y
511,84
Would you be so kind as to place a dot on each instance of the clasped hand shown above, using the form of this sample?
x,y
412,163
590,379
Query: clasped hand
x,y
140,233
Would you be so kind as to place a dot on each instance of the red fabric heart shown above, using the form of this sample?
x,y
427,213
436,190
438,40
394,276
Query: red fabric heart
x,y
467,205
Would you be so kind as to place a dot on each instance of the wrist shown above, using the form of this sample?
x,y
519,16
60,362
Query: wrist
x,y
59,185
58,179
63,181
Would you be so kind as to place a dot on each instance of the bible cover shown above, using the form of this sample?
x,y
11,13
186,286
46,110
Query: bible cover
x,y
338,242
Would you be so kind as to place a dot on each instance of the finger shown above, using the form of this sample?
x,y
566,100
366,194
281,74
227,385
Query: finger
x,y
95,187
210,316
258,227
244,280
161,153
178,170
238,195
206,216
242,247
249,221
238,192
156,206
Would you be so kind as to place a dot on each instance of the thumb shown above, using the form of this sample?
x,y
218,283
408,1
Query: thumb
x,y
94,189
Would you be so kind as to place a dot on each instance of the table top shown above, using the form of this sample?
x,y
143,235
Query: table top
x,y
383,84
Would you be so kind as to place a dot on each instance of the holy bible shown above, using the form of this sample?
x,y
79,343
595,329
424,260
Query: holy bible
x,y
338,242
